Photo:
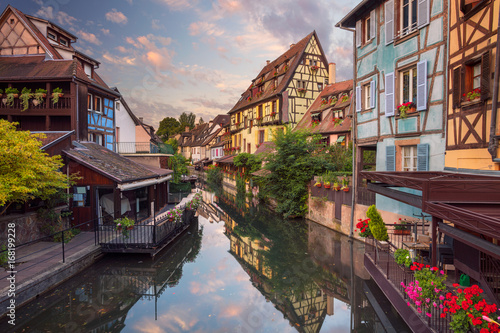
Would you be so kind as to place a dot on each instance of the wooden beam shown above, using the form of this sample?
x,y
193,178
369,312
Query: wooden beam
x,y
410,199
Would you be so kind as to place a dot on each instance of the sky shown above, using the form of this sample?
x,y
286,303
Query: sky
x,y
172,56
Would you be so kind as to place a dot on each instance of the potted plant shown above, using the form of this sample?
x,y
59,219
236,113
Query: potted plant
x,y
39,95
364,228
324,102
406,108
56,94
472,95
301,90
124,224
333,100
26,95
377,226
317,184
402,257
10,93
402,228
336,185
337,121
345,98
345,184
314,68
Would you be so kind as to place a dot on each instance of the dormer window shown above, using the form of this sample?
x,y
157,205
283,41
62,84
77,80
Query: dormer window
x,y
51,36
63,41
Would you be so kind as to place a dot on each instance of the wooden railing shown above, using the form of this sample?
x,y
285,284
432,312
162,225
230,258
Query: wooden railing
x,y
64,103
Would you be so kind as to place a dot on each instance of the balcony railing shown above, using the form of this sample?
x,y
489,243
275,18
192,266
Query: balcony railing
x,y
265,120
64,103
143,148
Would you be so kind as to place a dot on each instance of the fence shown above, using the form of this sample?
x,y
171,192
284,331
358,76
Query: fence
x,y
61,244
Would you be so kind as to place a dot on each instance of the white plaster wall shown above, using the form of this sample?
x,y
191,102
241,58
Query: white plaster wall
x,y
126,125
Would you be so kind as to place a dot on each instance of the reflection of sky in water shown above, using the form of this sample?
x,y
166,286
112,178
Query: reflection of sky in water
x,y
214,295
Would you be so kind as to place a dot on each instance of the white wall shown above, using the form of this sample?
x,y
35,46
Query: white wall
x,y
126,127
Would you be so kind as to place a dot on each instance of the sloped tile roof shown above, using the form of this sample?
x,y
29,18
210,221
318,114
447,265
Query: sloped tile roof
x,y
265,147
111,164
293,56
36,67
52,137
327,124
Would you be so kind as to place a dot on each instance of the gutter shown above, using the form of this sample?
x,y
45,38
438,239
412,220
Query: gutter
x,y
353,132
493,143
133,186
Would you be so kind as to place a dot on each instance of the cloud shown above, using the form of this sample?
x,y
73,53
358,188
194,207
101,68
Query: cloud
x,y
157,56
179,5
156,25
59,17
118,60
209,29
89,37
116,17
105,31
209,103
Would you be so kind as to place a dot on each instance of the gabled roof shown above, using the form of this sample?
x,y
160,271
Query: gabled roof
x,y
327,125
49,49
293,56
360,11
112,165
52,137
35,67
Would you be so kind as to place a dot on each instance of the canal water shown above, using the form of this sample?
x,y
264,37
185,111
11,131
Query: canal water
x,y
238,269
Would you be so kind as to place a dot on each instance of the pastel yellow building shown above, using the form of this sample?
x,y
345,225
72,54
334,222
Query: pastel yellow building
x,y
279,95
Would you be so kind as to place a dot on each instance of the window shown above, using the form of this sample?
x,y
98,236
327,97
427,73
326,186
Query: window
x,y
367,96
261,137
466,6
471,81
63,41
117,106
273,109
98,139
81,197
97,104
51,36
409,158
320,86
402,17
366,29
259,114
90,100
408,85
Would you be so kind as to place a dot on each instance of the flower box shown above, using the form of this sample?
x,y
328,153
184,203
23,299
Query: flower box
x,y
402,232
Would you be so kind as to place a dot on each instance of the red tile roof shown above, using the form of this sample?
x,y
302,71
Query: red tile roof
x,y
293,56
327,124
265,147
37,68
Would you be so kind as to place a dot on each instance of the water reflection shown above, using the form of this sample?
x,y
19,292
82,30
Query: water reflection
x,y
241,270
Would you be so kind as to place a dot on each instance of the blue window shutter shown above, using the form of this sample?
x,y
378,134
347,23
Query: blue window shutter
x,y
358,98
389,22
372,94
389,95
423,157
422,85
423,13
390,158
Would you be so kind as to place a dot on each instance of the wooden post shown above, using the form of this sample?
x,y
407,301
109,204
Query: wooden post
x,y
435,221
117,203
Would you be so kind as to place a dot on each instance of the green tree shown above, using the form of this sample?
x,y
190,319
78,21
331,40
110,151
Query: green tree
x,y
174,143
377,225
249,162
201,121
297,158
26,172
178,164
186,120
168,127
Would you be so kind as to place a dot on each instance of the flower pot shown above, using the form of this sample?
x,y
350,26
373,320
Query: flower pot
x,y
317,185
16,95
130,228
35,102
328,186
402,232
346,189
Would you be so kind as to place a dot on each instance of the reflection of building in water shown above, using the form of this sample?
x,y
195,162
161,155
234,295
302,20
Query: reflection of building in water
x,y
99,299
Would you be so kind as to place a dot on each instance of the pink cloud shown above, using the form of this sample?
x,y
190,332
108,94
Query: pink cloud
x,y
116,17
89,37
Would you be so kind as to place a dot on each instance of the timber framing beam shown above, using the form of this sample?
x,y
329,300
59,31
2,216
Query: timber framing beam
x,y
408,198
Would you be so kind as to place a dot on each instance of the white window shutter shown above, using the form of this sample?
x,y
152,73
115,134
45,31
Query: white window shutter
x,y
358,98
422,85
358,33
373,24
423,13
372,94
389,22
389,95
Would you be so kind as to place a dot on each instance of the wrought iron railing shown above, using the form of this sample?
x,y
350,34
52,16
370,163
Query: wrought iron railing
x,y
143,148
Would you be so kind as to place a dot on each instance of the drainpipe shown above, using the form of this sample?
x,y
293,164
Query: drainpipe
x,y
353,133
493,143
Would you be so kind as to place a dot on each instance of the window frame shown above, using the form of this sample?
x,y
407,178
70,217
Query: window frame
x,y
51,35
412,157
412,26
413,89
97,98
366,93
90,102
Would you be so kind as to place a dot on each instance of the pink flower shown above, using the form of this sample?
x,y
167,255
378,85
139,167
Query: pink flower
x,y
428,315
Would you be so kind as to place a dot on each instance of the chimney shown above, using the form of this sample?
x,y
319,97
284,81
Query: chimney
x,y
292,45
331,73
187,129
268,62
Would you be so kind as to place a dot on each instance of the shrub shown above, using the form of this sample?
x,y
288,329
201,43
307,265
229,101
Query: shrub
x,y
402,257
364,228
377,226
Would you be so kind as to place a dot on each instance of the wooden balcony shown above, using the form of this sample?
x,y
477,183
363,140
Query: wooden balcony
x,y
62,107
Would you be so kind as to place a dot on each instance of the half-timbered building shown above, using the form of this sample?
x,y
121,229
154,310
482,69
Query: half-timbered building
x,y
400,59
280,94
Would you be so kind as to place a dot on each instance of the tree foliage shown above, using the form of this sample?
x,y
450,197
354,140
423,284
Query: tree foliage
x,y
168,126
186,120
377,226
178,164
249,162
173,143
26,172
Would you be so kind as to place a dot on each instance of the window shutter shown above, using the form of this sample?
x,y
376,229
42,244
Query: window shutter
x,y
423,157
389,95
389,22
358,33
358,98
390,158
373,24
422,85
485,76
462,80
423,13
372,94
456,88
